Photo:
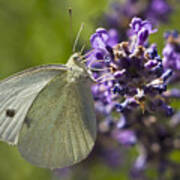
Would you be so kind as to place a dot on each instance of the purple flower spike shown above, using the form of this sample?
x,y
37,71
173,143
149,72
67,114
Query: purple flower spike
x,y
141,29
136,24
102,42
131,91
99,39
103,38
135,72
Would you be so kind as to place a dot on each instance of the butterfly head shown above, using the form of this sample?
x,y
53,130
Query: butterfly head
x,y
76,61
77,58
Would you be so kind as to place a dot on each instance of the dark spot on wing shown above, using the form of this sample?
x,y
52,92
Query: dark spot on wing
x,y
10,113
27,122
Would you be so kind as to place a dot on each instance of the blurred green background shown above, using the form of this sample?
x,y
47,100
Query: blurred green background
x,y
38,32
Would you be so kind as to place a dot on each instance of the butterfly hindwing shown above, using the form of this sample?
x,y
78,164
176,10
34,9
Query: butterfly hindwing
x,y
17,94
62,125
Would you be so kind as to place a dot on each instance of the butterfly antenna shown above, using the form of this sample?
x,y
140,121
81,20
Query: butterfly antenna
x,y
77,37
71,25
82,49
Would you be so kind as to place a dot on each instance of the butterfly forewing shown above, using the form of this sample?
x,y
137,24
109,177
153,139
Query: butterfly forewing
x,y
62,126
17,94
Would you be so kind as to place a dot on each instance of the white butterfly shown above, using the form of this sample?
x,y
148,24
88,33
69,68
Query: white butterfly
x,y
48,112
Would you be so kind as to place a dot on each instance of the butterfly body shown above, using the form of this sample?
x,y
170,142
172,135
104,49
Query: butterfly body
x,y
77,69
48,113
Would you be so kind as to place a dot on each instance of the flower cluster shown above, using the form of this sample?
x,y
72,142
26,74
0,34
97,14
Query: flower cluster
x,y
131,92
132,74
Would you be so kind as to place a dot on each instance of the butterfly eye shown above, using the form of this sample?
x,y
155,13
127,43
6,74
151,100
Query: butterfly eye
x,y
10,113
76,58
